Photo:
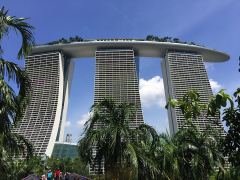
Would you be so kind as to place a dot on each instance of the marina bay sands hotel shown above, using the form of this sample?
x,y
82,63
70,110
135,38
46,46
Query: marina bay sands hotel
x,y
50,69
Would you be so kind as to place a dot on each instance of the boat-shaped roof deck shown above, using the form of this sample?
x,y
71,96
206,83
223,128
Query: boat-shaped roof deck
x,y
140,47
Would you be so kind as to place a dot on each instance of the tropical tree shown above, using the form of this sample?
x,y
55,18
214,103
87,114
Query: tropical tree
x,y
145,144
164,155
231,143
189,104
21,168
197,152
13,104
71,165
142,153
116,144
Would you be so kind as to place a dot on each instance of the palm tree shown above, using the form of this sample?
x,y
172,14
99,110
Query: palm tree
x,y
189,154
12,104
117,145
197,152
165,155
19,25
145,145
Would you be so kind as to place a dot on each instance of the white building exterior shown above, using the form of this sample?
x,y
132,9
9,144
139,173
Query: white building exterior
x,y
183,72
50,70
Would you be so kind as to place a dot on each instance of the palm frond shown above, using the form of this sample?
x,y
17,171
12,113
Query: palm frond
x,y
12,104
19,26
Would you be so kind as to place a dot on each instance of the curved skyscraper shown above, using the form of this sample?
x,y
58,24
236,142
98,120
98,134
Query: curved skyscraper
x,y
43,123
50,70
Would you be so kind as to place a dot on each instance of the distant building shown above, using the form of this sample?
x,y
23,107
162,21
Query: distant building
x,y
68,138
50,70
65,150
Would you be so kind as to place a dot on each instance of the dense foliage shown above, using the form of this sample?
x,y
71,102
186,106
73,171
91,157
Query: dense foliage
x,y
141,153
36,165
168,39
67,165
231,143
115,143
13,104
66,41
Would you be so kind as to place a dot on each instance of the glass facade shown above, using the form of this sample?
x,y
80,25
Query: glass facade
x,y
65,150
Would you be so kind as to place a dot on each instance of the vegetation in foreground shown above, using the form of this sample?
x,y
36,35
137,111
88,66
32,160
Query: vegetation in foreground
x,y
13,104
39,166
127,153
141,153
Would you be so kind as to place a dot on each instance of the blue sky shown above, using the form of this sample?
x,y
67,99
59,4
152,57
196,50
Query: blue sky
x,y
212,23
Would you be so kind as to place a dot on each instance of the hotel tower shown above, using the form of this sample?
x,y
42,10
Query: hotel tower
x,y
182,72
116,77
50,70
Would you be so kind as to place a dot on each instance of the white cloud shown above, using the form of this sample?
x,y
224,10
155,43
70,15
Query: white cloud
x,y
215,85
82,120
67,124
209,66
152,92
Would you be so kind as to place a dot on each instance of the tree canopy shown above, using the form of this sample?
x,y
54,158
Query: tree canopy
x,y
12,104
